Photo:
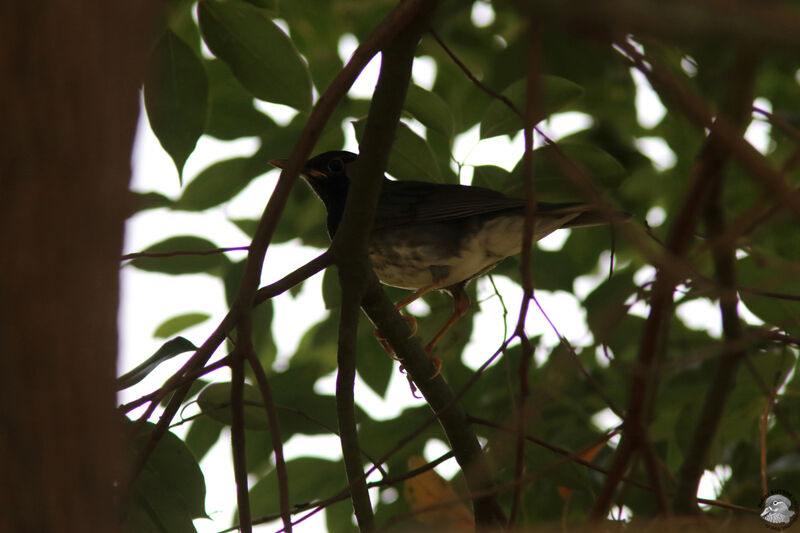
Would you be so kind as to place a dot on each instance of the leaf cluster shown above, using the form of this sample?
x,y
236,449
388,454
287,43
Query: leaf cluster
x,y
287,54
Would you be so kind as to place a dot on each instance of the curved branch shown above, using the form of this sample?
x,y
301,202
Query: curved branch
x,y
350,244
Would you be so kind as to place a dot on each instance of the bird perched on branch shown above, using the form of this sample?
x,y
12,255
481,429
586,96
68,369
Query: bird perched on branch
x,y
430,236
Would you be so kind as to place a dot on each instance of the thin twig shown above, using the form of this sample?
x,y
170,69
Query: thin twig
x,y
736,107
529,230
275,435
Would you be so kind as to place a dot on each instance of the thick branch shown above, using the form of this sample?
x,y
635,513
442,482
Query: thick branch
x,y
350,244
440,397
238,443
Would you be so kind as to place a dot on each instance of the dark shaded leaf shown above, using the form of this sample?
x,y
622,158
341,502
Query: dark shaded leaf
x,y
202,435
232,112
148,200
310,479
556,93
771,275
410,158
373,363
605,306
215,402
260,55
430,109
553,165
167,351
170,491
218,183
176,97
331,292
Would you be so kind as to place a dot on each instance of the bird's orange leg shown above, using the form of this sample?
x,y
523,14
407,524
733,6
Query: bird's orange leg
x,y
402,304
460,307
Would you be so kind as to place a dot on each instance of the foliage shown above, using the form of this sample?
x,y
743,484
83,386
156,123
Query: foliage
x,y
582,62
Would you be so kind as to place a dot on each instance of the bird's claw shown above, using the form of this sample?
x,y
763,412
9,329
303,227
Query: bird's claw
x,y
435,361
412,323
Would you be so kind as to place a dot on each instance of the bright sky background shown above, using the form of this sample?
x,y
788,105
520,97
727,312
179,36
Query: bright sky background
x,y
148,298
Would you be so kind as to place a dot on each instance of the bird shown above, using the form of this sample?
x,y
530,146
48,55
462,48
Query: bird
x,y
777,509
432,236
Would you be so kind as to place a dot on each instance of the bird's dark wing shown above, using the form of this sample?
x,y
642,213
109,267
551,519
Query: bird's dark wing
x,y
407,202
415,202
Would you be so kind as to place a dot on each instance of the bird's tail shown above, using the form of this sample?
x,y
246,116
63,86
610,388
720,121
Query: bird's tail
x,y
585,214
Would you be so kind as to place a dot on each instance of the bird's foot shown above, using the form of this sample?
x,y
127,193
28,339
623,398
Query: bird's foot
x,y
436,362
412,323
413,387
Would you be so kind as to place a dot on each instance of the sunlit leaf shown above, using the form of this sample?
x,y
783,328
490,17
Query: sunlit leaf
x,y
176,324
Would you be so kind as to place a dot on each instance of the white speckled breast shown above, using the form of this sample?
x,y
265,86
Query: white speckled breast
x,y
417,260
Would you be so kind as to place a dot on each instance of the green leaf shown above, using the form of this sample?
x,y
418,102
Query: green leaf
x,y
556,93
218,183
202,435
430,109
261,56
176,324
310,479
605,306
331,293
168,350
373,364
148,200
232,112
246,225
181,264
263,343
493,177
550,162
770,277
215,402
176,97
170,491
410,158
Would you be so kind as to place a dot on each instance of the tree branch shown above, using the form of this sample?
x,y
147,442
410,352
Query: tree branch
x,y
238,445
275,435
350,245
440,397
737,107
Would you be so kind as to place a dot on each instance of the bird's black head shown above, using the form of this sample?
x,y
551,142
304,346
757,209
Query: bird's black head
x,y
326,173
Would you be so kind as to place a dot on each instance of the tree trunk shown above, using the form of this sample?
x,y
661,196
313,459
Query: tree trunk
x,y
69,79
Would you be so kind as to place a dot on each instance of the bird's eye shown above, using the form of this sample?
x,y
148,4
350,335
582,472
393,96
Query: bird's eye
x,y
335,166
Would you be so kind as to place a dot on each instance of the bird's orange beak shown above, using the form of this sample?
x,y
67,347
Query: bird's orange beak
x,y
283,163
280,163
